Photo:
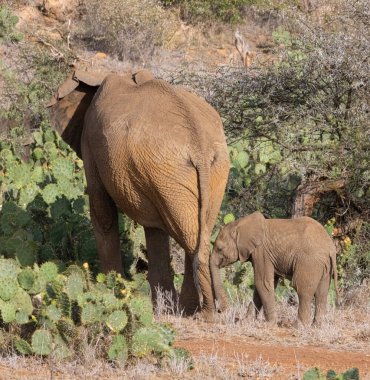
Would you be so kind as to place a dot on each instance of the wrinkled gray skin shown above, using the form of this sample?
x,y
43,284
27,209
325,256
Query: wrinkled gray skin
x,y
157,153
298,249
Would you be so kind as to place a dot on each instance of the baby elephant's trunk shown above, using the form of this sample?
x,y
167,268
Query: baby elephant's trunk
x,y
219,292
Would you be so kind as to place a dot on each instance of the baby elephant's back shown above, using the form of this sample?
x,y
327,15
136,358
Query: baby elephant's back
x,y
315,234
303,234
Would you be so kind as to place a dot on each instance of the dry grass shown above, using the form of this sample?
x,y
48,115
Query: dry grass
x,y
346,327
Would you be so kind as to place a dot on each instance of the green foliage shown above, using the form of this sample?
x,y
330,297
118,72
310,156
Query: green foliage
x,y
8,21
197,11
316,374
73,306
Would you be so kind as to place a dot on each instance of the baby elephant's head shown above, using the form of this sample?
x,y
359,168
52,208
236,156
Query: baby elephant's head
x,y
225,250
236,241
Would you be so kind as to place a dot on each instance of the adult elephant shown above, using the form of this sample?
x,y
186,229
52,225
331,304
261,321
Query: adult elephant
x,y
157,153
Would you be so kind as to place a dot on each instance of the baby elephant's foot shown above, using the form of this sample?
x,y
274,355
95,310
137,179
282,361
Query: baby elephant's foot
x,y
251,312
318,322
298,324
271,319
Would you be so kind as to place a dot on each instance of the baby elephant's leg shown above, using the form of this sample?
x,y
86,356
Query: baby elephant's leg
x,y
255,305
305,284
321,298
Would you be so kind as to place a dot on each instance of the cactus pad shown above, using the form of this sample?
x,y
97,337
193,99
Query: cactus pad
x,y
7,312
22,302
8,288
142,309
53,313
117,321
74,286
26,278
118,350
42,342
21,317
50,193
23,347
8,268
67,329
148,340
91,313
49,271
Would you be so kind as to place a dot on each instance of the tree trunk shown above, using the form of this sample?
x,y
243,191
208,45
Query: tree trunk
x,y
309,193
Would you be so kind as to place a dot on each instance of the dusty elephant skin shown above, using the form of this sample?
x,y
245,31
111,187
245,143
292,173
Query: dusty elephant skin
x,y
298,249
157,153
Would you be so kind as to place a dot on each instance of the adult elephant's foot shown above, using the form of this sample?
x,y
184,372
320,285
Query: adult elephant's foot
x,y
206,316
189,306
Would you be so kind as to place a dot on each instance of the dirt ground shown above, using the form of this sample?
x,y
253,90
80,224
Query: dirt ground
x,y
235,358
289,361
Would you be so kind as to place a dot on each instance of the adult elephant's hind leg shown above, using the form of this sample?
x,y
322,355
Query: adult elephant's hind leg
x,y
189,297
160,274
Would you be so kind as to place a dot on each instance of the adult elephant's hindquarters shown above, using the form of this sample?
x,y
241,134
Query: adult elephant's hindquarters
x,y
157,153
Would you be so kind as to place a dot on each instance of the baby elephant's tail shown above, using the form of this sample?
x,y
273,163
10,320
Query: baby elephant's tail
x,y
333,261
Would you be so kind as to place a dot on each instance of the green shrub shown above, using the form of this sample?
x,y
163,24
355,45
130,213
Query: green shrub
x,y
208,10
317,374
132,30
8,21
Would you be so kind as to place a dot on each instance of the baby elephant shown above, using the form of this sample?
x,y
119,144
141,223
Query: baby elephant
x,y
298,249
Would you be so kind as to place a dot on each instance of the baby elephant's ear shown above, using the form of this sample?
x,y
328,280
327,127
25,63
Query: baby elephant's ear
x,y
68,107
250,234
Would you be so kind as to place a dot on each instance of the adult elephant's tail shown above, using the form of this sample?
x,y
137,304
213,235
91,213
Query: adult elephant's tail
x,y
334,272
201,271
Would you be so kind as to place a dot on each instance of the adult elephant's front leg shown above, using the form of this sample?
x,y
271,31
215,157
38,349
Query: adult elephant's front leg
x,y
189,296
104,218
160,274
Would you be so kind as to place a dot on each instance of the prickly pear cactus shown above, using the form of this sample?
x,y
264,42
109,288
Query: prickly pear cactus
x,y
42,342
117,320
74,286
69,309
142,310
8,288
67,329
8,312
118,350
26,278
23,347
49,271
149,340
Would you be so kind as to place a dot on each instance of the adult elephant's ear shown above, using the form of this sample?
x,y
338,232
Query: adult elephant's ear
x,y
142,76
68,106
250,234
